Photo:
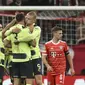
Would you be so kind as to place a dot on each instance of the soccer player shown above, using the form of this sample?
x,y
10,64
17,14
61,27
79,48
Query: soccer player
x,y
54,57
2,56
21,54
35,51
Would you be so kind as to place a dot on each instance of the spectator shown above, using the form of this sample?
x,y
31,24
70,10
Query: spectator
x,y
81,2
9,2
37,2
16,3
73,2
4,2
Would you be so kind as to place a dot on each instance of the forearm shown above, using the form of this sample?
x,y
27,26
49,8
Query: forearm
x,y
28,37
25,38
8,32
8,26
32,43
70,61
45,61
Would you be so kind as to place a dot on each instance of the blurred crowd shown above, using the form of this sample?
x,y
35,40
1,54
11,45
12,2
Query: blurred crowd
x,y
42,2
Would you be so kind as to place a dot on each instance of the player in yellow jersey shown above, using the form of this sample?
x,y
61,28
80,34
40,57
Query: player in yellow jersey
x,y
35,51
2,56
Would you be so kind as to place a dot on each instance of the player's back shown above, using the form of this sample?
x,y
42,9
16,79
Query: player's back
x,y
21,47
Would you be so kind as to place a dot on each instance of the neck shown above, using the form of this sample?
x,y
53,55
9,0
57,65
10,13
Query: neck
x,y
31,27
55,40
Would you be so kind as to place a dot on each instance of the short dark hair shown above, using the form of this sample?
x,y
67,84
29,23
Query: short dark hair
x,y
20,17
56,28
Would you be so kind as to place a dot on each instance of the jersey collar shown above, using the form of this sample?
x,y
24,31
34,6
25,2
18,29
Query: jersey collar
x,y
56,43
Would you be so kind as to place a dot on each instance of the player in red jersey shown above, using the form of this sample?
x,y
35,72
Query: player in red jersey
x,y
56,52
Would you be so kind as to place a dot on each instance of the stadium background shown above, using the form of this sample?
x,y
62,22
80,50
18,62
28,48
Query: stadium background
x,y
42,2
73,24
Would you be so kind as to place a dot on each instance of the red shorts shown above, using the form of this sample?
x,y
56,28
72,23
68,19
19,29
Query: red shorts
x,y
55,79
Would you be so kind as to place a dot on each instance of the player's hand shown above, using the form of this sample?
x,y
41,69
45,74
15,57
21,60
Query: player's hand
x,y
33,43
49,68
72,71
16,30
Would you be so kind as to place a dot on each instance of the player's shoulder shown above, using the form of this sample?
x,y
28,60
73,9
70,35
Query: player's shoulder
x,y
49,42
14,26
63,42
19,26
37,27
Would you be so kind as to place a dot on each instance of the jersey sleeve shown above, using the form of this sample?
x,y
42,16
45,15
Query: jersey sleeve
x,y
8,32
28,35
44,51
8,38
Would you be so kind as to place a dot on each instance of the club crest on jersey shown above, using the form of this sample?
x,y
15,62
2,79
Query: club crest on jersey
x,y
61,47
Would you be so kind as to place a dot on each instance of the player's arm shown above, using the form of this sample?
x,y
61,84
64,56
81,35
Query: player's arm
x,y
8,26
12,30
71,64
69,58
49,68
8,32
29,36
32,43
7,42
44,60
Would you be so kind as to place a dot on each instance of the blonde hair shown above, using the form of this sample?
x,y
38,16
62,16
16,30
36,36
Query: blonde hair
x,y
34,14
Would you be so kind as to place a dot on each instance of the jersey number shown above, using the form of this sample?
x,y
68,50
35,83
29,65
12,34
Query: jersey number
x,y
39,67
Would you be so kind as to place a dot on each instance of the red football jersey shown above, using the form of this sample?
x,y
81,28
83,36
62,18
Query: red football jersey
x,y
56,56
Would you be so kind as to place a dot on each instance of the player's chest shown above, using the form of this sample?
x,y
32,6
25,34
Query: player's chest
x,y
56,51
57,48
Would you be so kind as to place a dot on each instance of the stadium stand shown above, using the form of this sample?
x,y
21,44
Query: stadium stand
x,y
42,2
